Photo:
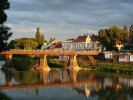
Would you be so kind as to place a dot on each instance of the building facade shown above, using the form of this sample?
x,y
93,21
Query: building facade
x,y
82,43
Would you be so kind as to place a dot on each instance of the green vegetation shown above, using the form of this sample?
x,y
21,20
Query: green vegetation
x,y
124,68
4,30
28,43
131,29
131,34
26,77
57,63
39,38
109,37
23,43
24,62
2,57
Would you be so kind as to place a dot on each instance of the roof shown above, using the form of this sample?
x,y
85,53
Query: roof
x,y
94,38
57,45
80,39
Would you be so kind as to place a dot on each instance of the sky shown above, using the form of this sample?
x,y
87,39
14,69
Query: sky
x,y
63,19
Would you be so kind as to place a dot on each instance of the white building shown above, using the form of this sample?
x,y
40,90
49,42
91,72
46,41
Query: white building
x,y
82,43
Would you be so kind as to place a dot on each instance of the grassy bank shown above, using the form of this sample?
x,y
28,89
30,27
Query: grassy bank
x,y
57,63
125,68
27,62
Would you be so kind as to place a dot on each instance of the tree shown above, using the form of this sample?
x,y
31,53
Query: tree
x,y
125,28
131,33
23,43
4,30
131,29
110,37
38,34
39,38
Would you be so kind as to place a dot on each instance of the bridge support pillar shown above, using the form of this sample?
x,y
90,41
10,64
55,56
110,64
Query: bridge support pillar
x,y
8,60
72,63
43,63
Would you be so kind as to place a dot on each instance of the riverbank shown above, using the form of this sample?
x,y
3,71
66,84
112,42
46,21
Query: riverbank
x,y
124,68
25,62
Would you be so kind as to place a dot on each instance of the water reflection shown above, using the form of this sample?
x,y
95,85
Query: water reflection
x,y
87,83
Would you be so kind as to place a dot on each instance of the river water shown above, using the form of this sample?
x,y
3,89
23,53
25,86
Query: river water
x,y
64,85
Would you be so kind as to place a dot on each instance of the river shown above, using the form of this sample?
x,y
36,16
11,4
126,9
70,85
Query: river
x,y
64,85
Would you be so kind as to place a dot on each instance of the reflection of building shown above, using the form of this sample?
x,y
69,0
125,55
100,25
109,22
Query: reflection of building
x,y
107,82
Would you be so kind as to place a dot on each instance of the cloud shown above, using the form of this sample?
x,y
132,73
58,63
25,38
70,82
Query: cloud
x,y
68,16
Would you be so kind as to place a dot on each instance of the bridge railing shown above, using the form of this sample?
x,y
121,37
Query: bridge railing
x,y
59,50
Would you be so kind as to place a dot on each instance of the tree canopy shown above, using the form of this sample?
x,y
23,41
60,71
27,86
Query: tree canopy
x,y
131,29
39,38
109,37
23,43
4,30
131,33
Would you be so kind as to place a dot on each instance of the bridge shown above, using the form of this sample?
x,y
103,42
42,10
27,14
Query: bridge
x,y
72,63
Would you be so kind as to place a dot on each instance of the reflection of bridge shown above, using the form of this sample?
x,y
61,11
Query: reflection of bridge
x,y
83,82
72,63
49,79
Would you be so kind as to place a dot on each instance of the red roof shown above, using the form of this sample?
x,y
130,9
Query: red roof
x,y
94,38
57,45
80,39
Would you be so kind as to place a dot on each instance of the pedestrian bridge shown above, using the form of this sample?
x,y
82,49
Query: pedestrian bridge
x,y
72,62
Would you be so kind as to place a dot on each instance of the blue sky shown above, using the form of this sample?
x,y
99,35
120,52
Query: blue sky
x,y
64,19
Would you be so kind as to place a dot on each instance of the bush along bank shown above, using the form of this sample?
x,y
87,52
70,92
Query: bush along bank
x,y
24,62
121,68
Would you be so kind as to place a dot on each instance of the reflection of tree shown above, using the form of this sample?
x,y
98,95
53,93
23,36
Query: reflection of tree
x,y
111,94
109,86
4,97
37,91
91,84
131,93
26,77
8,77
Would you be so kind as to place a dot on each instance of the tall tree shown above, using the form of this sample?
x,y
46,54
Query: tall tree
x,y
125,27
110,37
4,30
131,29
131,33
39,38
38,34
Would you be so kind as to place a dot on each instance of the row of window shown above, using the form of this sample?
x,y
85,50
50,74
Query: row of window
x,y
80,46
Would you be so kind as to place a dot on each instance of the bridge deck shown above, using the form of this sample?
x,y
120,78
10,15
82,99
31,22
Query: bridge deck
x,y
51,52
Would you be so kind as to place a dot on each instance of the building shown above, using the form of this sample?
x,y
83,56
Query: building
x,y
82,43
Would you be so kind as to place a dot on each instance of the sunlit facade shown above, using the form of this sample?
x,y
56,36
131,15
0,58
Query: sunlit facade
x,y
82,43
